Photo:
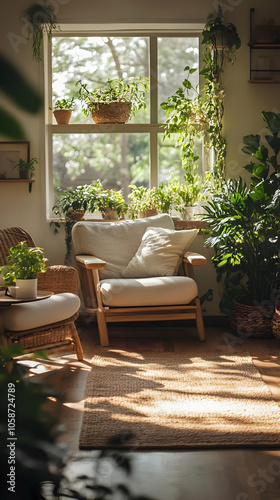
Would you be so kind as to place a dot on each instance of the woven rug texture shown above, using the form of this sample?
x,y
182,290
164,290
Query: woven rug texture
x,y
169,400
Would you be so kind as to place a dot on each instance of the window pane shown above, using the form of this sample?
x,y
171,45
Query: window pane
x,y
174,54
93,60
116,159
170,158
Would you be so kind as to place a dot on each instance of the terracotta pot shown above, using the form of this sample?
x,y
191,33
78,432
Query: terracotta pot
x,y
62,116
109,213
112,112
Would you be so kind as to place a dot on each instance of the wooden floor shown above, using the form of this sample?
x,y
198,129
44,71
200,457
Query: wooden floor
x,y
231,474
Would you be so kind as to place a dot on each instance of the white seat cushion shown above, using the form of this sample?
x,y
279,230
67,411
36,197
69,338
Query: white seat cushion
x,y
160,253
157,291
29,315
114,242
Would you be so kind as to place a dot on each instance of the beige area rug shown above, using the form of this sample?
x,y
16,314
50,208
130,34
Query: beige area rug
x,y
175,401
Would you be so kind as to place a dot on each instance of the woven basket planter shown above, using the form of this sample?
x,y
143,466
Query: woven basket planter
x,y
148,213
109,213
276,320
76,215
251,321
112,112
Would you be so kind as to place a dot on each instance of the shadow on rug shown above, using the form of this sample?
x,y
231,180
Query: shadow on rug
x,y
170,401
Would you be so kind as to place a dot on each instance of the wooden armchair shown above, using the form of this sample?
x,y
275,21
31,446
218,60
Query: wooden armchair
x,y
54,336
129,272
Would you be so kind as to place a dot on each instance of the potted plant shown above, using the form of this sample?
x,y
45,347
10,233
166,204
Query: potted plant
x,y
115,101
41,18
71,206
145,201
244,232
111,204
26,168
63,110
24,265
186,195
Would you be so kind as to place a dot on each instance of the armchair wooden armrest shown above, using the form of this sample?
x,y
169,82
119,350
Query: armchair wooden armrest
x,y
195,259
90,262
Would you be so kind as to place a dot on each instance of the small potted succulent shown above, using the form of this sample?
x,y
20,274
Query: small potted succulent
x,y
115,101
26,168
24,265
63,110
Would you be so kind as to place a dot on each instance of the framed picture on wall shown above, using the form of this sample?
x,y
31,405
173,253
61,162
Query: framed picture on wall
x,y
10,154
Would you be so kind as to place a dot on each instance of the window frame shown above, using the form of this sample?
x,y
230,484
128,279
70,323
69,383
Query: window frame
x,y
153,128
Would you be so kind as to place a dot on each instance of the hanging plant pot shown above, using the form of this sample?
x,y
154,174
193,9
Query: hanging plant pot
x,y
62,116
112,112
251,321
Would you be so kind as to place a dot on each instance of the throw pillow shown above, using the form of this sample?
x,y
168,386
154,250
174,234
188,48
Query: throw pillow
x,y
160,253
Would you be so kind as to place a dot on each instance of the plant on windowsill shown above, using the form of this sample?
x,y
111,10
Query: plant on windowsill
x,y
115,101
26,168
41,18
145,202
186,195
63,110
244,231
71,206
24,265
111,204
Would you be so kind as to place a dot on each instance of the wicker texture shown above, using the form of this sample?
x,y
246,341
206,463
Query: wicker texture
x,y
251,321
276,320
57,279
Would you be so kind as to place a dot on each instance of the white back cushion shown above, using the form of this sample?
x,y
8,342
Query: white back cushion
x,y
160,253
114,242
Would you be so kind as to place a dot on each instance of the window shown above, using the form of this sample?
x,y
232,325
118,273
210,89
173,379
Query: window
x,y
118,155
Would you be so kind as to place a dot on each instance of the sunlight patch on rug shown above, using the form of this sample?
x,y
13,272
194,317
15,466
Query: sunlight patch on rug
x,y
170,400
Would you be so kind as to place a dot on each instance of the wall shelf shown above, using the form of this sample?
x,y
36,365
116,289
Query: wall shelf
x,y
29,181
269,75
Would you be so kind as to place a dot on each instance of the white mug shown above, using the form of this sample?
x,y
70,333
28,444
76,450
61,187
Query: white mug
x,y
13,291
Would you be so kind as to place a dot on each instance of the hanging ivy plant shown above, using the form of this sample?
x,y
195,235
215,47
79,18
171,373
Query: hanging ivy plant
x,y
220,44
192,114
42,19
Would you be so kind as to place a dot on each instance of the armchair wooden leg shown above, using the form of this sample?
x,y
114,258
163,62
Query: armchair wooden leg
x,y
77,342
199,321
102,328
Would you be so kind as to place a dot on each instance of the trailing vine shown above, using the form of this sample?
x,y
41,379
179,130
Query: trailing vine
x,y
220,44
192,114
42,19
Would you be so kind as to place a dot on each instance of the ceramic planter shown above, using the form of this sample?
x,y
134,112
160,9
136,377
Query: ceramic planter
x,y
26,289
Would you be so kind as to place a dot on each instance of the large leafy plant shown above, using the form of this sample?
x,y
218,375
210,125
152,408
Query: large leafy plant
x,y
132,91
244,227
23,263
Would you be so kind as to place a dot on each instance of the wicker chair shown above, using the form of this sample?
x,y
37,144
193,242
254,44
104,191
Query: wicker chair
x,y
55,337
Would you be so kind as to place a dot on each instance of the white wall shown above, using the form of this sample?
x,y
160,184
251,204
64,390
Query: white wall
x,y
244,101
